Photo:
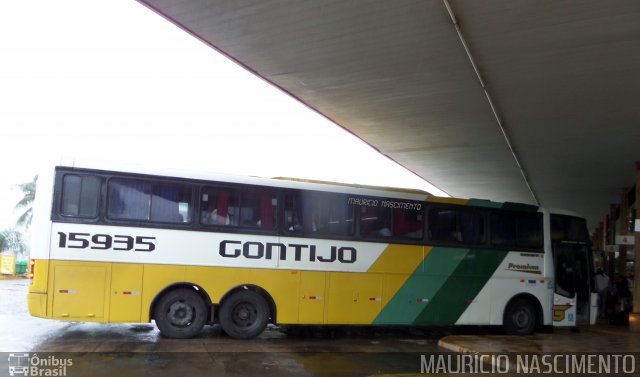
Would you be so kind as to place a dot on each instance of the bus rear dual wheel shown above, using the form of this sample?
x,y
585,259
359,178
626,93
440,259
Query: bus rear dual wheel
x,y
244,315
182,314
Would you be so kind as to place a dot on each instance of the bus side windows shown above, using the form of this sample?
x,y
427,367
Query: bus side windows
x,y
408,223
131,199
313,213
171,203
214,206
333,215
292,213
80,196
247,207
472,226
503,229
529,230
385,222
375,222
442,225
516,230
457,225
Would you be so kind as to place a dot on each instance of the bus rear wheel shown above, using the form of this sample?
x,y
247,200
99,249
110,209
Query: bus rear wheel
x,y
519,317
180,313
244,315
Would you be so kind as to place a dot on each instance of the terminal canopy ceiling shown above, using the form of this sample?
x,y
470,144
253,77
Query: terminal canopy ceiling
x,y
563,78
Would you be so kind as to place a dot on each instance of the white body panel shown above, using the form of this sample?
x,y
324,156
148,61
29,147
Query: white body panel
x,y
177,247
41,221
519,272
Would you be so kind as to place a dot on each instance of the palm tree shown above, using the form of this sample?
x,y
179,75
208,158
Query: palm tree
x,y
29,191
12,240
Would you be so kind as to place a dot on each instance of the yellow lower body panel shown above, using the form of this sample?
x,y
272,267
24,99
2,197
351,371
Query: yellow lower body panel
x,y
37,304
125,292
37,297
79,291
90,292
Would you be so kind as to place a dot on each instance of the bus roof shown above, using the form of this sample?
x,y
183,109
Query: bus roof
x,y
281,182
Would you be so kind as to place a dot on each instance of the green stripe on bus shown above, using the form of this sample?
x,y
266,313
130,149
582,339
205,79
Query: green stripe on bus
x,y
422,285
462,286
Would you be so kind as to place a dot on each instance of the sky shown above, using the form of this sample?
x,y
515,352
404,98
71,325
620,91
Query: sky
x,y
114,81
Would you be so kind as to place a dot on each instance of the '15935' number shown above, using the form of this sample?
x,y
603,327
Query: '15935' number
x,y
105,242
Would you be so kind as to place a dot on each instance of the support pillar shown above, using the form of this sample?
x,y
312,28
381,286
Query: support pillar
x,y
609,257
634,318
613,208
597,240
602,244
623,230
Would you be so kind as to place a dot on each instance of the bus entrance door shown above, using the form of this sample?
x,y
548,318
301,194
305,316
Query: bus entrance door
x,y
572,301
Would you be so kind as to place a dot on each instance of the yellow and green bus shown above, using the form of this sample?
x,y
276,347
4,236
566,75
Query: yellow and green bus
x,y
185,249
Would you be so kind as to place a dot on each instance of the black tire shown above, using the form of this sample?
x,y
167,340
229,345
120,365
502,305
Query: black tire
x,y
244,315
520,317
180,313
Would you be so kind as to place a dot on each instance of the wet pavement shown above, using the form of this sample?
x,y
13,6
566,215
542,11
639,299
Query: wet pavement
x,y
138,349
602,350
601,338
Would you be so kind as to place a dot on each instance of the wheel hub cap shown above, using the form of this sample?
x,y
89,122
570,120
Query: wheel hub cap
x,y
180,314
244,315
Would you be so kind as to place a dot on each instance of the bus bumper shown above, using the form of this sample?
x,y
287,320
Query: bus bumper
x,y
37,304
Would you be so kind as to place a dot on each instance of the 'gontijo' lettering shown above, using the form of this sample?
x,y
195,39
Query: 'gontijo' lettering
x,y
295,252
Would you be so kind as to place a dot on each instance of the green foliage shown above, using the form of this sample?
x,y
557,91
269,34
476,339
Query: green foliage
x,y
11,240
29,191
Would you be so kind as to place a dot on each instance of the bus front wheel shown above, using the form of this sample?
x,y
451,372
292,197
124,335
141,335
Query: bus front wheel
x,y
244,315
180,313
519,317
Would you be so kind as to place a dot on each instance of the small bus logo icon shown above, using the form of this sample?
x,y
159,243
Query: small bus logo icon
x,y
19,364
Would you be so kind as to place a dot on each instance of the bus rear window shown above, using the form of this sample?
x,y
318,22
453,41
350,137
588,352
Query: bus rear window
x,y
80,196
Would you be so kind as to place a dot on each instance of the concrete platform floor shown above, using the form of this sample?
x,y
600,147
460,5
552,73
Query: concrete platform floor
x,y
588,339
591,344
138,349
